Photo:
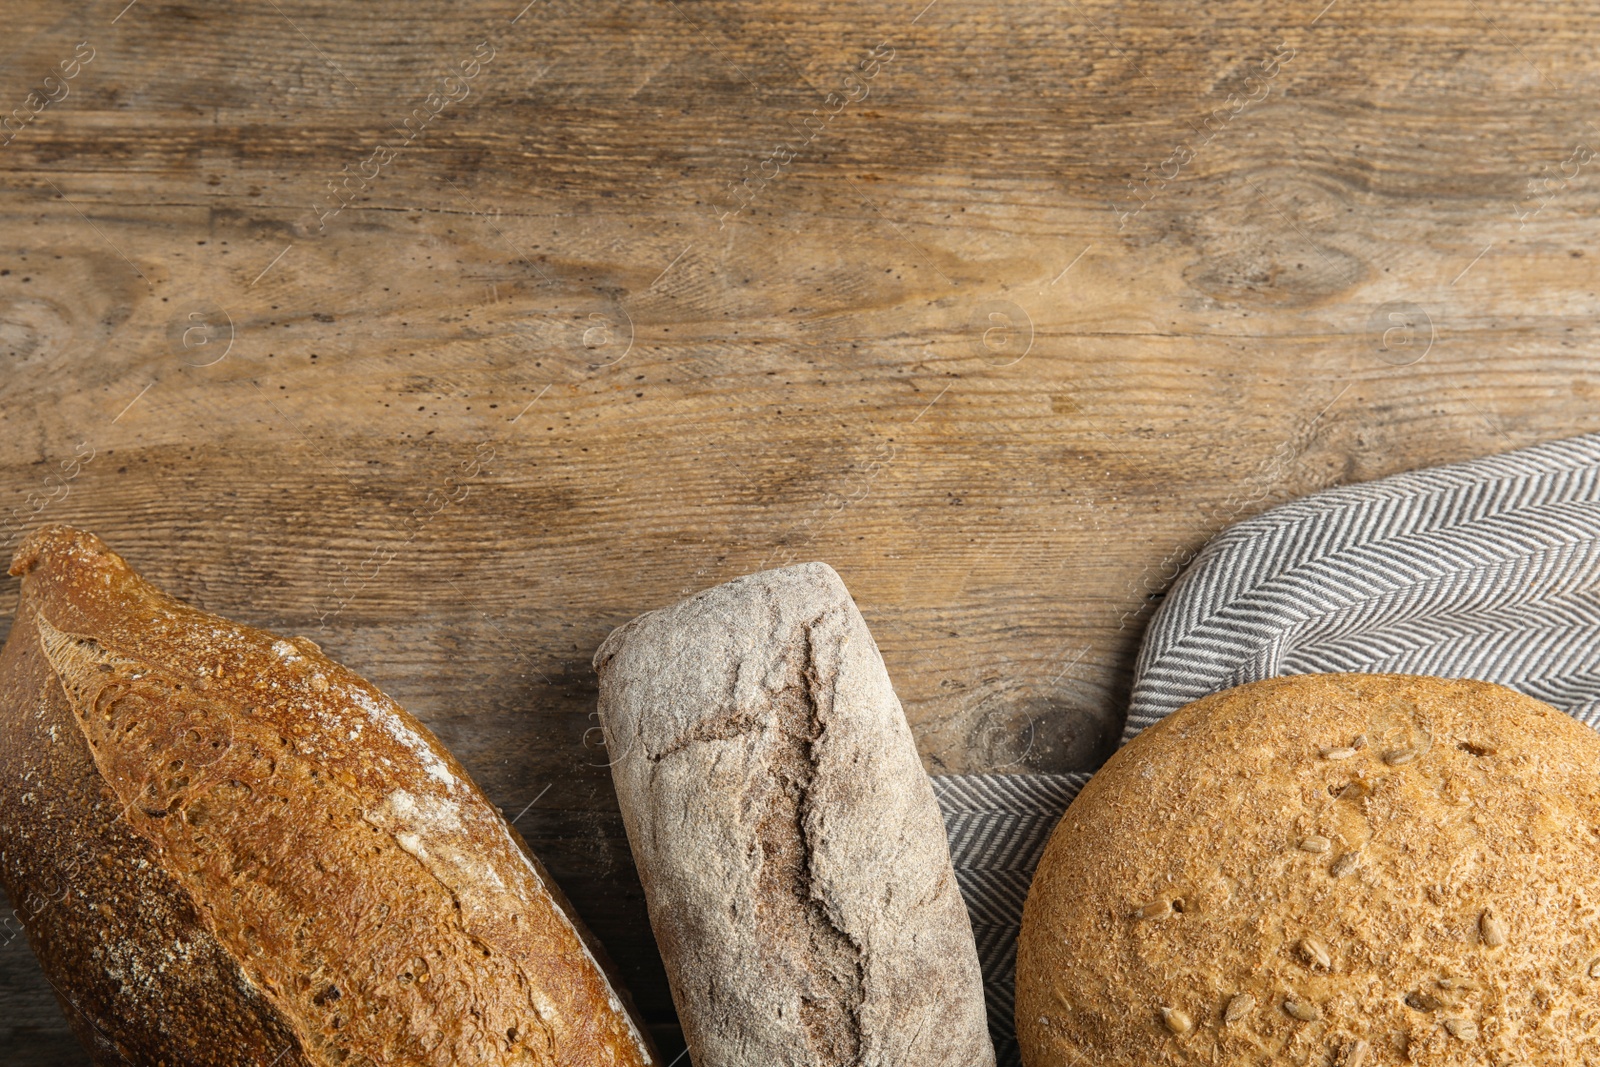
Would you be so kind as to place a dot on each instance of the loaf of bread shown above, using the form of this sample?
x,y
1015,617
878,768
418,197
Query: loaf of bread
x,y
1344,869
229,850
793,856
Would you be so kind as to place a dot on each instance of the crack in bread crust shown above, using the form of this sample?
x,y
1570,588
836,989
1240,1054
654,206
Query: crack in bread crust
x,y
791,903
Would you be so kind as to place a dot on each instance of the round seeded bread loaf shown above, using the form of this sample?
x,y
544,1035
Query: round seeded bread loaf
x,y
1342,869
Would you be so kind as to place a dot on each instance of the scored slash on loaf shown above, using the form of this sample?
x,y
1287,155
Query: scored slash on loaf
x,y
793,857
230,851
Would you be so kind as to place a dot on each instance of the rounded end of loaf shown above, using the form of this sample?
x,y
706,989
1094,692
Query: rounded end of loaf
x,y
75,579
58,544
814,572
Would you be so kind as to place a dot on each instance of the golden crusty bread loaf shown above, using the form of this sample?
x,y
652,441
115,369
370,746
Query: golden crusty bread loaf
x,y
1345,869
228,849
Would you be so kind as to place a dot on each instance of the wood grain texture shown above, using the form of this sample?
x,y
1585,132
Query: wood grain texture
x,y
706,317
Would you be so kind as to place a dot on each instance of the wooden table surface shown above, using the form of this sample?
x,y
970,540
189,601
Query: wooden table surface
x,y
454,335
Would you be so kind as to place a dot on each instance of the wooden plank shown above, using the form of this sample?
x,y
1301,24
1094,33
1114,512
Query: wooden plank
x,y
1196,227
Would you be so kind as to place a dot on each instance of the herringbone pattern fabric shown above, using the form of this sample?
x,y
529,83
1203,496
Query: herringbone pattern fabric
x,y
998,825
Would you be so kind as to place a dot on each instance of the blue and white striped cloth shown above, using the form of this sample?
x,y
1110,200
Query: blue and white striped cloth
x,y
1487,569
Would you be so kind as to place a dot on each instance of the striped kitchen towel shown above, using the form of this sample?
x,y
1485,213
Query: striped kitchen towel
x,y
1487,569
998,825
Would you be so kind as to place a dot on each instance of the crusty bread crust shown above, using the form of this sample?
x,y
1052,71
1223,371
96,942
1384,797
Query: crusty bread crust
x,y
231,850
1349,869
793,857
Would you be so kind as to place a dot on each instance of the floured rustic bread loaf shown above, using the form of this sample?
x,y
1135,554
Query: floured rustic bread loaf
x,y
1349,869
228,849
793,856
